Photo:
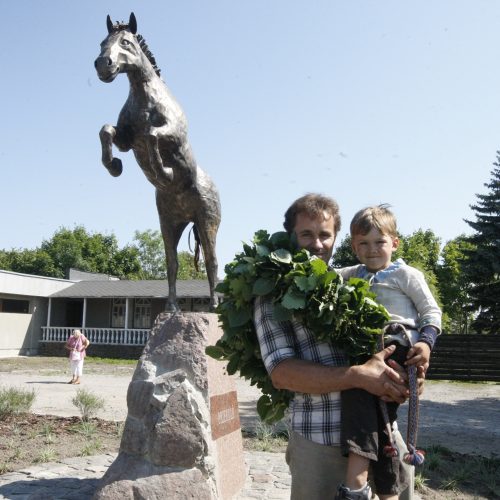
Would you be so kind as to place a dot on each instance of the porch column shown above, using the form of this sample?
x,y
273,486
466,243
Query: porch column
x,y
84,319
126,313
49,311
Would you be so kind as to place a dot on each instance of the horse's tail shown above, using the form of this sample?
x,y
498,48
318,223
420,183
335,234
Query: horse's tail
x,y
197,245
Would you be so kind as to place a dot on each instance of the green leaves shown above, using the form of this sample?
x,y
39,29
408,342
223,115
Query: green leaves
x,y
300,287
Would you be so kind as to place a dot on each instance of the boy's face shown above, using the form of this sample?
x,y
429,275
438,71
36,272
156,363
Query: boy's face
x,y
316,234
374,249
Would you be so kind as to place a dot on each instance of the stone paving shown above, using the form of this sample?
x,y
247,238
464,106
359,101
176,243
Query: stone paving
x,y
77,478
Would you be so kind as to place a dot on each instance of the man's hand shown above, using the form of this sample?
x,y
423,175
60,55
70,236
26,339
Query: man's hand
x,y
402,373
387,382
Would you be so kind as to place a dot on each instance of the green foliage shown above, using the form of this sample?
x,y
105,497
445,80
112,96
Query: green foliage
x,y
344,255
421,249
151,251
87,403
91,448
152,259
48,454
99,253
28,261
79,249
299,287
453,285
482,266
14,401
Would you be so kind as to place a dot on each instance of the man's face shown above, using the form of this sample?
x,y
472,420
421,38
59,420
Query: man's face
x,y
316,235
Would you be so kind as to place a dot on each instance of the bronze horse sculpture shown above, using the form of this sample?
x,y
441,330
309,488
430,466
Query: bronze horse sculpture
x,y
153,125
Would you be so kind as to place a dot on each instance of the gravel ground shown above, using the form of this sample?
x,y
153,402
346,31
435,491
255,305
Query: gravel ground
x,y
462,417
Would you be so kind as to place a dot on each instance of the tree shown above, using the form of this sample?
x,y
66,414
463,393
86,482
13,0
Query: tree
x,y
99,253
421,249
152,259
344,256
453,286
482,266
28,261
151,251
91,252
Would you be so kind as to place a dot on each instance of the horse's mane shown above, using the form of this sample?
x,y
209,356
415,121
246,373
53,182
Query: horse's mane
x,y
142,44
151,58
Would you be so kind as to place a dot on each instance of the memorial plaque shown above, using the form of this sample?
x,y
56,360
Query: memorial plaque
x,y
224,414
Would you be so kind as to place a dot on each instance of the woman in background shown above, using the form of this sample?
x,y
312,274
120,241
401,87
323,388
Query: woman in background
x,y
76,345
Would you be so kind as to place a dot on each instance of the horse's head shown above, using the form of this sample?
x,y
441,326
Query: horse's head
x,y
120,50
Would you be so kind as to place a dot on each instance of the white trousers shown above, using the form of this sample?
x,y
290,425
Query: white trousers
x,y
76,367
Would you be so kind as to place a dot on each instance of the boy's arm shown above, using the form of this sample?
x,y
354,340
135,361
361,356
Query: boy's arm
x,y
417,289
429,317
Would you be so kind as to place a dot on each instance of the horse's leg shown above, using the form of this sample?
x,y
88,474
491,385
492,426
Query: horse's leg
x,y
107,136
208,233
171,232
163,175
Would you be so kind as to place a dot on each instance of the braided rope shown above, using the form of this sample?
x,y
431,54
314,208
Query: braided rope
x,y
414,456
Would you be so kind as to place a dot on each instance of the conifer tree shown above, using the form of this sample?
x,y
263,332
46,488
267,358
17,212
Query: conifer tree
x,y
482,266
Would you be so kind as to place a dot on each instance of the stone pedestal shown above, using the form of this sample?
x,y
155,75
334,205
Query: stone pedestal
x,y
182,435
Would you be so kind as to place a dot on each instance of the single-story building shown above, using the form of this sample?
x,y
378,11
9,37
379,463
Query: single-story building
x,y
37,314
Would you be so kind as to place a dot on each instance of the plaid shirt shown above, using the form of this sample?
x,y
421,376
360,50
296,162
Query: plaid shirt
x,y
314,416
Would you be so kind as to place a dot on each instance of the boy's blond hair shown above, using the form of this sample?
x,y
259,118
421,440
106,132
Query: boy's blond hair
x,y
377,217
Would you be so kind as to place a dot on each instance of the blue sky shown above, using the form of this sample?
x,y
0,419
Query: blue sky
x,y
367,101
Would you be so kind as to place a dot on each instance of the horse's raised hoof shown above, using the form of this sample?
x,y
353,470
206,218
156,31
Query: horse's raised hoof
x,y
115,168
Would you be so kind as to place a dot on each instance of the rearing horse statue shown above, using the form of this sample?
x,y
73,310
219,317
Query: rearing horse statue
x,y
153,125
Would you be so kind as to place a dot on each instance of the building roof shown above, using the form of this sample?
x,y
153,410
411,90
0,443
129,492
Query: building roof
x,y
139,288
29,285
77,275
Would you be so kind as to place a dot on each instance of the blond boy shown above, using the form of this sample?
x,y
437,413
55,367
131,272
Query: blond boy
x,y
414,325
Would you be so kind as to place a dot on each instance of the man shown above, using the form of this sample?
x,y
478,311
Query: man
x,y
317,372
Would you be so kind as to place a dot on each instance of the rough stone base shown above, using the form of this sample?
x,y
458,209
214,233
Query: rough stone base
x,y
182,436
145,481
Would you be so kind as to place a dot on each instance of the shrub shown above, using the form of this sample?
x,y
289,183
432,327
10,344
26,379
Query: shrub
x,y
87,403
14,401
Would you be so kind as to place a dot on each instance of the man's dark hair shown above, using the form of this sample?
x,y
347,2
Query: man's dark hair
x,y
313,205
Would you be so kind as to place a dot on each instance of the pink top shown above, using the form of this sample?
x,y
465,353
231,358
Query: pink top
x,y
77,343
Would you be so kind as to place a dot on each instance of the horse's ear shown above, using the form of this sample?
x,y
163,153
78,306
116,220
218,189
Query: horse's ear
x,y
109,24
132,24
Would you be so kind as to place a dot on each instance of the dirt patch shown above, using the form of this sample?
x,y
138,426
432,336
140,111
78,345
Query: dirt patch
x,y
29,439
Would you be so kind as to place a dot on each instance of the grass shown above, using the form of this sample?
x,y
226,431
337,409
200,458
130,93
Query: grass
x,y
13,401
86,428
111,361
119,429
266,437
87,403
48,454
444,470
91,448
420,481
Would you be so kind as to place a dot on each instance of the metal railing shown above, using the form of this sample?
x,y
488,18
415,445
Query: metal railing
x,y
106,336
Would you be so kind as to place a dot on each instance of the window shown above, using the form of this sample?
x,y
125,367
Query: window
x,y
14,306
118,313
142,313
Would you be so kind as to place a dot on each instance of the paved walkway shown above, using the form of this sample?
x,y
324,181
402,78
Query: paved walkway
x,y
77,478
